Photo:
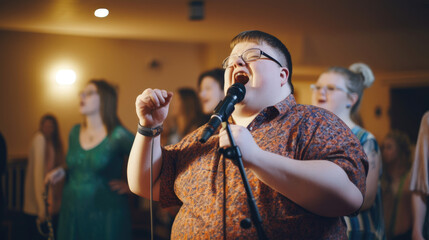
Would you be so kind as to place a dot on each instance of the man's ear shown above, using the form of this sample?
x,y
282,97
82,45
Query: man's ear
x,y
284,75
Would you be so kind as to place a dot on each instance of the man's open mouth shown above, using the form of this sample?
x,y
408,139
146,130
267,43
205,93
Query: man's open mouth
x,y
241,77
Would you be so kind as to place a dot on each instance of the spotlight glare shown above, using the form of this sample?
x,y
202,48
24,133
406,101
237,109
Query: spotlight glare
x,y
101,12
65,77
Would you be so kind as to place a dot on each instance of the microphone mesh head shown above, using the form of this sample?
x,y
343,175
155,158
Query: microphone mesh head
x,y
237,89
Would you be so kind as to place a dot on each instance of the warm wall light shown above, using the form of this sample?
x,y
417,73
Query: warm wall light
x,y
65,77
101,12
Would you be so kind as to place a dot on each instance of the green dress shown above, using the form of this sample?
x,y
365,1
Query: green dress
x,y
90,209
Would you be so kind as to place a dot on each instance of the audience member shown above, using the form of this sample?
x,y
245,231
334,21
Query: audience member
x,y
94,203
210,88
340,90
303,164
396,151
3,165
419,182
46,153
186,115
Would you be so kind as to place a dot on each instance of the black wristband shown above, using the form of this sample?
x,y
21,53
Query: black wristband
x,y
149,132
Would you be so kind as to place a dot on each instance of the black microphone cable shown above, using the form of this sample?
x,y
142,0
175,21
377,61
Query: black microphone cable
x,y
151,189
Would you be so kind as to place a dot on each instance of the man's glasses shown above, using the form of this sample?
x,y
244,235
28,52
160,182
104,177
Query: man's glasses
x,y
328,88
247,56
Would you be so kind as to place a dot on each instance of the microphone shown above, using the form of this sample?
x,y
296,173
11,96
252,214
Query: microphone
x,y
223,110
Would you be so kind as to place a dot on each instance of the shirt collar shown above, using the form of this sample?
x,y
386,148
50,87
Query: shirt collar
x,y
279,108
283,106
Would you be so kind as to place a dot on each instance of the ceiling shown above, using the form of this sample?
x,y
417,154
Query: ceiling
x,y
169,19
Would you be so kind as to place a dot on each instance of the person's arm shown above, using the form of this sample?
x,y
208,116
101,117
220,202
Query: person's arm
x,y
418,203
120,186
39,171
374,163
320,186
55,175
151,109
419,176
123,139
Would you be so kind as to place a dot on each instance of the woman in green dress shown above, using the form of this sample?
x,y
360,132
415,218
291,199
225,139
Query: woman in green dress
x,y
95,204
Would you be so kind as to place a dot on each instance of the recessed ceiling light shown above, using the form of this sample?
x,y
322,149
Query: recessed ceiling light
x,y
101,12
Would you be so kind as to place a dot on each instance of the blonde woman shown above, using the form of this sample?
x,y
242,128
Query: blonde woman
x,y
340,90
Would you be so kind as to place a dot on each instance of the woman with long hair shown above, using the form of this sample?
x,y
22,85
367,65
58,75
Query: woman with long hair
x,y
396,151
46,153
94,202
186,115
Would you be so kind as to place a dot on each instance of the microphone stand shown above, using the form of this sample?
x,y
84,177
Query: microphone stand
x,y
234,154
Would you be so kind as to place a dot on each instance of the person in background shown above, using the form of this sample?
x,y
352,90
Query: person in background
x,y
340,90
420,182
3,165
46,153
186,115
95,204
396,152
303,164
210,89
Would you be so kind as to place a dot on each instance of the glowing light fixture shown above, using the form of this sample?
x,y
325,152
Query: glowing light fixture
x,y
65,77
101,12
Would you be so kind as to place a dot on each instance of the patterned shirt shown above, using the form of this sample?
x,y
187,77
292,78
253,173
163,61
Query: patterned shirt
x,y
210,190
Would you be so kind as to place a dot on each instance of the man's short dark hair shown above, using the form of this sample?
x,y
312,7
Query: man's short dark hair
x,y
262,37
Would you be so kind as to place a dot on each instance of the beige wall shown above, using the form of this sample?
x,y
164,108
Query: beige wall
x,y
28,88
29,60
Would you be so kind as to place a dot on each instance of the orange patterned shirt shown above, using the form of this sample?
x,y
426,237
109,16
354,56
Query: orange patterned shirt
x,y
209,187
